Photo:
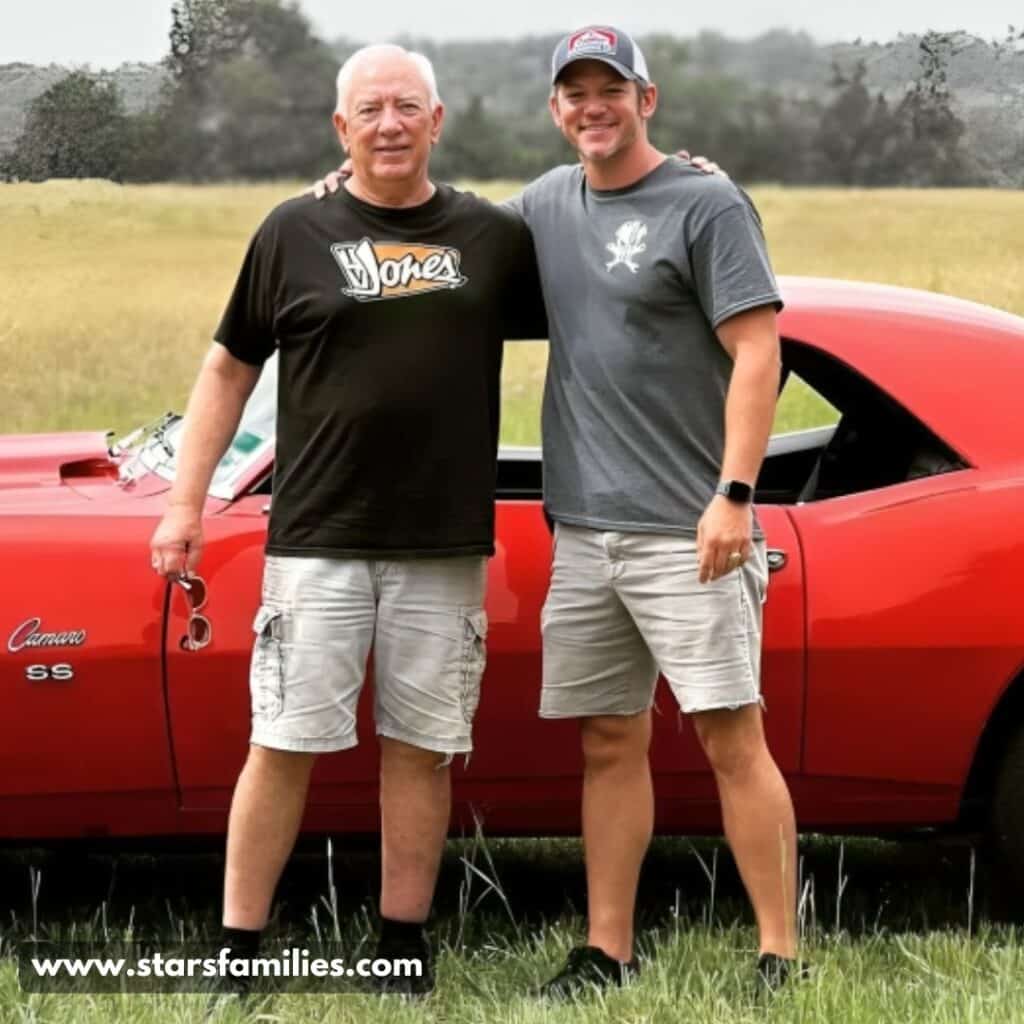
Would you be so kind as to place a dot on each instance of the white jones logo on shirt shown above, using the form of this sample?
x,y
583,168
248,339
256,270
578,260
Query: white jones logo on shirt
x,y
396,270
629,242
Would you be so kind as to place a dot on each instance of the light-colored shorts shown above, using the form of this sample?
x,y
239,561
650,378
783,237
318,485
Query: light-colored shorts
x,y
319,617
623,606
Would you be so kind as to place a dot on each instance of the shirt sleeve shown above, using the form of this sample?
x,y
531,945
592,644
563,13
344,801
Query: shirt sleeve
x,y
515,205
730,266
246,329
525,316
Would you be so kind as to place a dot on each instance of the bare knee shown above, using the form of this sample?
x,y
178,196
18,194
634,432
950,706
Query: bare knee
x,y
284,765
610,740
397,756
733,741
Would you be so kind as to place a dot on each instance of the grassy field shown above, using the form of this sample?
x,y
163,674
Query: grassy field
x,y
892,932
109,294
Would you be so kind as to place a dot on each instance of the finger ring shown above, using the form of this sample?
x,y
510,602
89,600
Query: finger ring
x,y
735,556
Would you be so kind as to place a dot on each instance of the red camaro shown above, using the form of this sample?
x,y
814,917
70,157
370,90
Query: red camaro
x,y
894,629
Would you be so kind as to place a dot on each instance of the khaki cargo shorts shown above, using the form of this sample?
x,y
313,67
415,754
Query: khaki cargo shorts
x,y
623,606
318,620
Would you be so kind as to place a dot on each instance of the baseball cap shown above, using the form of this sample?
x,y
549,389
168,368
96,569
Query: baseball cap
x,y
609,45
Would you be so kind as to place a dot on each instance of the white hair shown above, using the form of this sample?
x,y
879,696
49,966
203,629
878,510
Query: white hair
x,y
368,53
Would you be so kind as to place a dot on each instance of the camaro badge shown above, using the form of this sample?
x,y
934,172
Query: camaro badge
x,y
28,635
395,270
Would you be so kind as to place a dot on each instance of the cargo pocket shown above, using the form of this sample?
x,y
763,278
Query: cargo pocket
x,y
266,680
474,659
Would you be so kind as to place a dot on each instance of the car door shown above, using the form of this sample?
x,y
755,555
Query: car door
x,y
208,690
687,798
525,771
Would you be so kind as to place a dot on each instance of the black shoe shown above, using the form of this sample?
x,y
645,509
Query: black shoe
x,y
411,985
588,967
774,971
227,991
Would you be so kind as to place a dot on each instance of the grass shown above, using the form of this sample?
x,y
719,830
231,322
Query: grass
x,y
109,294
890,930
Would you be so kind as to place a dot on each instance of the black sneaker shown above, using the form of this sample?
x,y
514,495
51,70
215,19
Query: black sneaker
x,y
774,971
588,967
227,991
411,985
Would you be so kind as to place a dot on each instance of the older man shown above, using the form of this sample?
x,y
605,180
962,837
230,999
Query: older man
x,y
388,305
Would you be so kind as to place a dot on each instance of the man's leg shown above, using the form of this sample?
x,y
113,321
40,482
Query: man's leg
x,y
429,654
266,811
314,629
415,805
706,639
758,816
618,819
598,669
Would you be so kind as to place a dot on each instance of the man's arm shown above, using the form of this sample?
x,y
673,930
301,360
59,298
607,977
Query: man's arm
x,y
752,340
211,419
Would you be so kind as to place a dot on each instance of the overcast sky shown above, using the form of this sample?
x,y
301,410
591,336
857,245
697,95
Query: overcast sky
x,y
105,33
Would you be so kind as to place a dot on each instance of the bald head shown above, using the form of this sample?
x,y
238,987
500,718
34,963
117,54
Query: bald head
x,y
384,59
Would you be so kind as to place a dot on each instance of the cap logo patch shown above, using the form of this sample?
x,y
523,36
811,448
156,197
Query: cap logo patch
x,y
593,40
396,270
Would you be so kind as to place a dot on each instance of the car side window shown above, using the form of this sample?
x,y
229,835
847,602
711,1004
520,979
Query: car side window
x,y
837,433
800,407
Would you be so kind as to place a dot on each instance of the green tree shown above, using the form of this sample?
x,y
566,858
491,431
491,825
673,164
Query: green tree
x,y
473,145
930,153
858,135
76,129
251,92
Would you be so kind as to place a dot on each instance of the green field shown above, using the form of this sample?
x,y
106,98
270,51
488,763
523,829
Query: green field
x,y
109,294
893,932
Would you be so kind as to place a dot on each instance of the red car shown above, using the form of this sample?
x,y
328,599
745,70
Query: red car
x,y
894,637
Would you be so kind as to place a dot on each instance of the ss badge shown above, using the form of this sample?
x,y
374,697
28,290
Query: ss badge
x,y
41,673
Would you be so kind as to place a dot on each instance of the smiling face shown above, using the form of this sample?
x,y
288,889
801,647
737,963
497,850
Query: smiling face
x,y
603,115
388,123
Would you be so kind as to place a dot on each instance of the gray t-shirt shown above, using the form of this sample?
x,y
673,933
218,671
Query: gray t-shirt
x,y
635,281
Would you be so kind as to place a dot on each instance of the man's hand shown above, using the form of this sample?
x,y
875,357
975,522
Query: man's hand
x,y
331,182
725,530
702,163
177,543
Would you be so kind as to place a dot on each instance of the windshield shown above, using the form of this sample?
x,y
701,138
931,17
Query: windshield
x,y
254,436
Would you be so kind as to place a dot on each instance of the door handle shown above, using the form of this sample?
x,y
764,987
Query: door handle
x,y
777,559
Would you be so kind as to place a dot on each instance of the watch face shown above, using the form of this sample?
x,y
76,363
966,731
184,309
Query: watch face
x,y
736,490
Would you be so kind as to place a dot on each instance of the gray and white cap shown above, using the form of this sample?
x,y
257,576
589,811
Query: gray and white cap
x,y
609,45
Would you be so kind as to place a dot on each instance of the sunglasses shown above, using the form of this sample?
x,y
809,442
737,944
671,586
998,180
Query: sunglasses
x,y
199,630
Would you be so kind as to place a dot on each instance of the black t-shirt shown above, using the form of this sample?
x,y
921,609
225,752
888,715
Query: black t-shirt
x,y
389,323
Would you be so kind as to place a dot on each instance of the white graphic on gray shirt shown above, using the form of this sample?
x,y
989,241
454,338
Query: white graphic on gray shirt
x,y
629,242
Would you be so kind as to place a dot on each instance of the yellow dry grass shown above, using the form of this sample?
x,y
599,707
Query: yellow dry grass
x,y
109,294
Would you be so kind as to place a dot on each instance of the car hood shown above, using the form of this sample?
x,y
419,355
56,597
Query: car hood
x,y
45,460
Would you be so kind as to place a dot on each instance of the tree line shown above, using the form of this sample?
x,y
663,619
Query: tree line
x,y
248,95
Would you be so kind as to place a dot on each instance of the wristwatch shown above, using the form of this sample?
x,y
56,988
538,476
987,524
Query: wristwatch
x,y
735,490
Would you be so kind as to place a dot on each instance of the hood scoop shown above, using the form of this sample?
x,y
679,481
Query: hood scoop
x,y
40,460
